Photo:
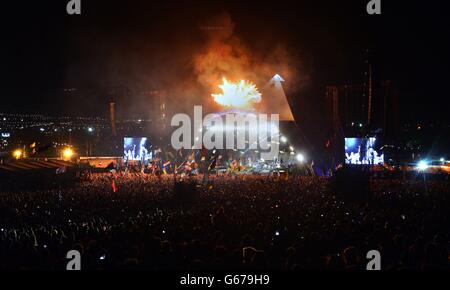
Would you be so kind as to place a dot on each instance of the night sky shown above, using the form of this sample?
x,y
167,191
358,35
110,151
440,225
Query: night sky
x,y
142,45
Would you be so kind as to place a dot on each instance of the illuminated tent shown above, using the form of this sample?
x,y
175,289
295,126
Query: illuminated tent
x,y
29,164
32,174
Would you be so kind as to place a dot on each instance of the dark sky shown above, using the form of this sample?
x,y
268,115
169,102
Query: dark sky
x,y
140,45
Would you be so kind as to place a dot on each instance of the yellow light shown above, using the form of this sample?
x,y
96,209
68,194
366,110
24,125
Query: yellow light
x,y
17,153
68,153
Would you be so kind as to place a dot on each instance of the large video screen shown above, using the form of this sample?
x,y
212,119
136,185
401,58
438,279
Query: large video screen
x,y
137,149
364,151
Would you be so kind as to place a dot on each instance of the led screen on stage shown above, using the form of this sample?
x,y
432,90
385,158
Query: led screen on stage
x,y
364,151
137,149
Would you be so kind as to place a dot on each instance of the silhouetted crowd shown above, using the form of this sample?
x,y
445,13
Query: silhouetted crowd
x,y
228,222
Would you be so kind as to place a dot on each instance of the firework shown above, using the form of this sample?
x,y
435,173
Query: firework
x,y
241,95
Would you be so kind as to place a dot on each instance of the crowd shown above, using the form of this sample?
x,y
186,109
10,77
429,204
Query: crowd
x,y
230,222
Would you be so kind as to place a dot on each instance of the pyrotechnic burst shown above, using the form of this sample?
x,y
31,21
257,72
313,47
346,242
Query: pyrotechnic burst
x,y
241,95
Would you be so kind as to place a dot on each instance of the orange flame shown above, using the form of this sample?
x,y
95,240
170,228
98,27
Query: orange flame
x,y
241,95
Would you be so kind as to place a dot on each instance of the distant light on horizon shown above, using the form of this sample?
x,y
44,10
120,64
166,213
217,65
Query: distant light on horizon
x,y
68,153
422,165
17,153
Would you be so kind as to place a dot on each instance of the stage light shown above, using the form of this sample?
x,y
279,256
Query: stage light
x,y
422,165
90,129
300,157
67,153
274,129
283,139
17,154
442,159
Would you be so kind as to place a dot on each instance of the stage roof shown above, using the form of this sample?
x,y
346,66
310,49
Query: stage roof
x,y
274,100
